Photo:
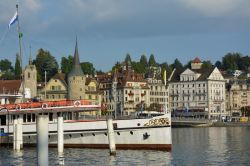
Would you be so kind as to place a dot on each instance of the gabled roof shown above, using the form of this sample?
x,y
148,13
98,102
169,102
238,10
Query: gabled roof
x,y
61,77
196,60
204,74
10,86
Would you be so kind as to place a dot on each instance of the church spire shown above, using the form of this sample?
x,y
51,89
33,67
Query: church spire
x,y
76,69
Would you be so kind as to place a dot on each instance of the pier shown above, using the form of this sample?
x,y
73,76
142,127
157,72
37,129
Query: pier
x,y
190,122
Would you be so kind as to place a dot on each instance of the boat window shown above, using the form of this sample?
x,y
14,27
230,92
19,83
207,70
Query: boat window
x,y
50,116
33,117
28,117
24,118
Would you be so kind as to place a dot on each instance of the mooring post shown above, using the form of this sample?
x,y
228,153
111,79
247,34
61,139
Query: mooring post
x,y
15,134
20,131
42,140
111,137
60,143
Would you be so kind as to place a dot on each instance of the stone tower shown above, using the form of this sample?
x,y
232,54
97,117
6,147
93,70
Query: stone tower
x,y
30,80
76,79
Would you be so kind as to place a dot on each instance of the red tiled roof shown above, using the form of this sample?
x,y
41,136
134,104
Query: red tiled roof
x,y
196,60
10,86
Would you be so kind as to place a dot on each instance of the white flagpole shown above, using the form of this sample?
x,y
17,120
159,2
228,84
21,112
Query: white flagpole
x,y
20,53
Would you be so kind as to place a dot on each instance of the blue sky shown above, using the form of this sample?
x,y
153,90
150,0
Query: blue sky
x,y
109,29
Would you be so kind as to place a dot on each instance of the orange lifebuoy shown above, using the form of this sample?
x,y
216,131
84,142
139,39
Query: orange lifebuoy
x,y
77,103
44,105
18,107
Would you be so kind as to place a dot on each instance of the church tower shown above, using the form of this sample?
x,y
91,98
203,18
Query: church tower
x,y
76,79
30,80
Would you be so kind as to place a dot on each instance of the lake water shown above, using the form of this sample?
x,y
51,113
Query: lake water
x,y
191,146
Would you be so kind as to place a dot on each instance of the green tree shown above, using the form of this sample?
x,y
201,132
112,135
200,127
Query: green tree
x,y
5,65
154,107
177,65
230,60
151,61
244,63
18,69
7,75
138,67
66,64
218,64
45,62
164,66
117,66
207,65
128,58
88,68
144,63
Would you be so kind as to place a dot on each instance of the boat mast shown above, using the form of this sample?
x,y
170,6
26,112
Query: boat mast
x,y
20,52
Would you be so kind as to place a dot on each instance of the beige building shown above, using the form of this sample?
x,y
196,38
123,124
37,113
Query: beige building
x,y
55,89
124,91
238,97
198,92
158,93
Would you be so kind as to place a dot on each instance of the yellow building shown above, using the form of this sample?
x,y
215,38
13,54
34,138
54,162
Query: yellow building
x,y
55,89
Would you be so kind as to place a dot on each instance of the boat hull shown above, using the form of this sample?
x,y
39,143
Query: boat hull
x,y
152,134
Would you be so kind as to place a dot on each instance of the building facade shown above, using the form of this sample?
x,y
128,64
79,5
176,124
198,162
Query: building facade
x,y
238,97
123,91
198,92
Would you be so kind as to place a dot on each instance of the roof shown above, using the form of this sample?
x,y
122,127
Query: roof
x,y
205,73
10,86
76,69
61,77
196,60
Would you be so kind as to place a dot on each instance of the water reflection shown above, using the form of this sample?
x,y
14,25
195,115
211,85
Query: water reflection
x,y
211,146
191,146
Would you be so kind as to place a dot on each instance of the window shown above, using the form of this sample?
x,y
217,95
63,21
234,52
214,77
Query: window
x,y
28,74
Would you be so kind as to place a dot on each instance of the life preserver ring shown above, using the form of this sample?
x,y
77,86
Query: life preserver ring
x,y
77,103
44,105
18,107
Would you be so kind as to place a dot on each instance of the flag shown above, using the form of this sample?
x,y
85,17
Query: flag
x,y
13,20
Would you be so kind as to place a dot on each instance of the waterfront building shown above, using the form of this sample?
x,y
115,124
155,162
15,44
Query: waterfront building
x,y
158,90
123,91
238,97
55,89
197,91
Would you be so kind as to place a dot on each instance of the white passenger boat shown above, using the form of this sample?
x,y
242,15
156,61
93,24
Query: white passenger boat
x,y
144,131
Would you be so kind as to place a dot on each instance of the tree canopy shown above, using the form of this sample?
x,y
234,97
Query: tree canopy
x,y
88,68
66,64
5,65
45,62
18,69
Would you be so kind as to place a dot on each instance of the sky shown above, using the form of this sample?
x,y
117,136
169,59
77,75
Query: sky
x,y
109,29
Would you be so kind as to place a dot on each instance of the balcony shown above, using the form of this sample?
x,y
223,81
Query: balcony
x,y
131,94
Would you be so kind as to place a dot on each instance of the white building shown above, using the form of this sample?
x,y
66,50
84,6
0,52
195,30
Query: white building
x,y
197,92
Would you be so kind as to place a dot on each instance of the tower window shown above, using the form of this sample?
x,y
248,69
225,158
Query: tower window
x,y
28,74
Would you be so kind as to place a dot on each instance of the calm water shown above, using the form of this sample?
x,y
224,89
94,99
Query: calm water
x,y
191,146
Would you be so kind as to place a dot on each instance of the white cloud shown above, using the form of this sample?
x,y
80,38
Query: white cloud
x,y
218,7
8,8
